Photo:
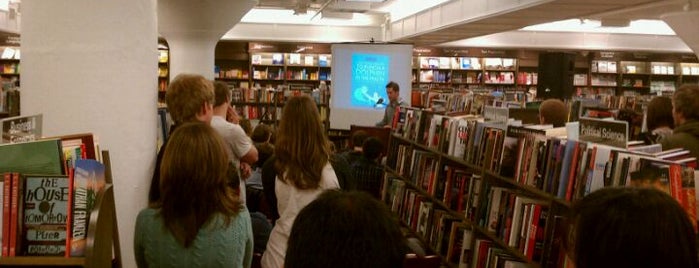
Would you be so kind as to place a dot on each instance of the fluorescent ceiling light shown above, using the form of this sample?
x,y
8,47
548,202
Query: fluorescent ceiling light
x,y
400,9
286,16
373,1
652,27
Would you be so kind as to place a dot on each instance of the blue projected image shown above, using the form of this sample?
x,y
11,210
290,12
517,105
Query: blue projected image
x,y
370,74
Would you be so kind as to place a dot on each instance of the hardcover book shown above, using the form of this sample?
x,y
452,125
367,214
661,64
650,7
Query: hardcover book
x,y
88,181
46,209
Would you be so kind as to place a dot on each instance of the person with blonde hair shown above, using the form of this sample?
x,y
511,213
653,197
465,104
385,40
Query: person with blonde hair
x,y
303,170
199,220
189,98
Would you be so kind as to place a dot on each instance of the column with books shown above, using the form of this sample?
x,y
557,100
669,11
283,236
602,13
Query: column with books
x,y
484,192
58,204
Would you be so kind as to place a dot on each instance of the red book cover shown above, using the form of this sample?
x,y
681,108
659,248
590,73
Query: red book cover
x,y
676,184
14,215
533,226
6,205
69,214
572,173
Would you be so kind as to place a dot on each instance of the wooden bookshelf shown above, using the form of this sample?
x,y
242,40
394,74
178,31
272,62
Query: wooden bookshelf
x,y
103,248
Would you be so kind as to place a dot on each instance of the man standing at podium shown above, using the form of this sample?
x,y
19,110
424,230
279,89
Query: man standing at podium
x,y
392,90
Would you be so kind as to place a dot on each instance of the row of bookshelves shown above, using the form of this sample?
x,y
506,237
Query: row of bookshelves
x,y
511,184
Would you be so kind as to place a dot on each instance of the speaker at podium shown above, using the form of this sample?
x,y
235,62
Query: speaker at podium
x,y
555,75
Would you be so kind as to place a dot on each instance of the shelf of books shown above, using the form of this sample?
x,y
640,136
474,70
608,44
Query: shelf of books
x,y
58,204
10,67
484,192
265,104
163,69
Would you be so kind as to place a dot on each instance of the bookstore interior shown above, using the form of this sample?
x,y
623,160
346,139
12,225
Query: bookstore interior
x,y
470,169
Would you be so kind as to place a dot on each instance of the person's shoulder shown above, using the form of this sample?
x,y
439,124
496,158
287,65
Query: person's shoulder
x,y
148,215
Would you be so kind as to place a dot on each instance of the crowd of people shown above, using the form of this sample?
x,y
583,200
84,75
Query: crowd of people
x,y
221,195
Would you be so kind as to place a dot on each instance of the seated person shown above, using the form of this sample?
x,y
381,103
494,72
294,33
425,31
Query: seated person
x,y
353,154
632,227
367,170
260,224
345,229
199,215
261,137
553,112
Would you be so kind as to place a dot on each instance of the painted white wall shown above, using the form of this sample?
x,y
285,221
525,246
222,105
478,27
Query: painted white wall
x,y
91,67
303,33
192,29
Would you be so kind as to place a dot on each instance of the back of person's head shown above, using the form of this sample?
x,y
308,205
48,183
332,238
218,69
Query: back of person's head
x,y
372,148
265,150
553,112
686,101
222,93
345,229
262,133
394,86
186,95
632,227
358,138
246,125
301,148
659,113
193,181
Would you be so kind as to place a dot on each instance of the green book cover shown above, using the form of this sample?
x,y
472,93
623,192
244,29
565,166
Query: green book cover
x,y
35,157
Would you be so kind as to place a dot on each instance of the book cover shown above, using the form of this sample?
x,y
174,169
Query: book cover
x,y
36,157
88,180
6,205
15,243
45,211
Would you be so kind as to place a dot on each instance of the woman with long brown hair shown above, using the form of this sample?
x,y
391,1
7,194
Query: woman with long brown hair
x,y
199,220
303,168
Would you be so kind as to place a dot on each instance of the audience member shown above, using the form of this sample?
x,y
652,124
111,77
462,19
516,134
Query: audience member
x,y
686,114
632,227
189,98
302,167
198,216
260,224
367,170
553,112
354,153
659,120
260,136
393,91
246,125
341,229
238,146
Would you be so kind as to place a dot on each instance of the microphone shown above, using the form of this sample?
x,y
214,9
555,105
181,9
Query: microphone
x,y
379,104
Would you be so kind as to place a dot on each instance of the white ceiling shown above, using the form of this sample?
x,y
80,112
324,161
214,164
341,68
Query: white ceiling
x,y
553,10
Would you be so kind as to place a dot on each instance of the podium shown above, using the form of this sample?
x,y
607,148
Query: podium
x,y
378,132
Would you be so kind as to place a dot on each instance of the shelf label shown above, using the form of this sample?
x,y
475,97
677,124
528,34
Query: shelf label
x,y
613,133
21,129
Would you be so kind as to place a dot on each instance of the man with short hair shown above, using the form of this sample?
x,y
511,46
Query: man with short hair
x,y
553,112
189,97
686,116
393,91
241,152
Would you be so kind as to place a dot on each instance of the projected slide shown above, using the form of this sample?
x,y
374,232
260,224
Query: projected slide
x,y
360,75
370,74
